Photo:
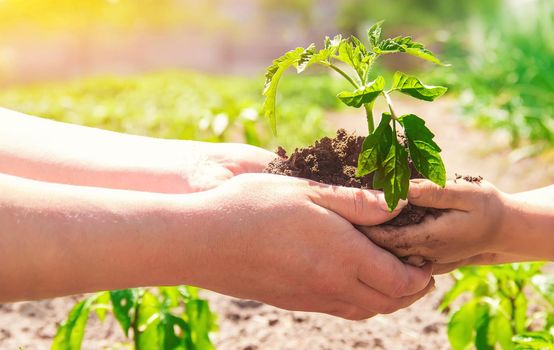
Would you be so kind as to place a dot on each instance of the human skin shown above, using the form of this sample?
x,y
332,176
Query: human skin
x,y
284,241
482,226
47,150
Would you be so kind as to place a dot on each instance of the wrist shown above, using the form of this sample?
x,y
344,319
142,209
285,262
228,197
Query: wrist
x,y
526,229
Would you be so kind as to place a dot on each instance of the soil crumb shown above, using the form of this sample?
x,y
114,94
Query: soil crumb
x,y
333,161
472,179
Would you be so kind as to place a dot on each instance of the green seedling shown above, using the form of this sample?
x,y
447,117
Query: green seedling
x,y
382,154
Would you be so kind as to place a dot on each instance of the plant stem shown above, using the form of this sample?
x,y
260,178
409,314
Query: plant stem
x,y
341,72
369,115
391,108
135,325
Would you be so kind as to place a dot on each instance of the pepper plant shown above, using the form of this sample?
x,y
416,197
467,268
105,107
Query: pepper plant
x,y
382,153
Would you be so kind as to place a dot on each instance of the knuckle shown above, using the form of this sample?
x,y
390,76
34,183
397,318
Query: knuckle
x,y
359,202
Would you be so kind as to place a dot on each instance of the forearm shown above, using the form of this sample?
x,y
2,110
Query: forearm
x,y
51,151
528,228
59,239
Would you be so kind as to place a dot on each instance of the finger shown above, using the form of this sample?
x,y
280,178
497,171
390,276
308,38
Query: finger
x,y
382,271
453,196
414,260
403,241
370,299
362,207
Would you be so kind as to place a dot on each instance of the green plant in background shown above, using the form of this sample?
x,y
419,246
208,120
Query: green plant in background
x,y
510,306
165,318
382,153
508,75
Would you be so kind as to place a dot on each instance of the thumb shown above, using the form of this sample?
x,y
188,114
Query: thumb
x,y
360,207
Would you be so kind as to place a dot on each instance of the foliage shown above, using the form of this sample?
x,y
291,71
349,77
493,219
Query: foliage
x,y
166,318
382,153
181,105
508,72
497,312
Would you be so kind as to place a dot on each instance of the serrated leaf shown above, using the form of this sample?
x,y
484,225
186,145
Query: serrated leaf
x,y
123,303
365,94
374,34
272,76
412,86
425,153
397,174
407,45
375,147
69,335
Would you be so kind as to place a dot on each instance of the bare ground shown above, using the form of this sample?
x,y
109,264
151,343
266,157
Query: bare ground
x,y
250,325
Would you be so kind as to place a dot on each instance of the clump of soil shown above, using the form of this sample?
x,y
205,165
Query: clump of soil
x,y
473,179
333,161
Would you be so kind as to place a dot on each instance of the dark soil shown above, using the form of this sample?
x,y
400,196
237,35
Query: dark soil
x,y
333,161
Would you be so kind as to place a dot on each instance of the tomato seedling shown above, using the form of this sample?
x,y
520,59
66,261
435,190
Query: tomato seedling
x,y
382,154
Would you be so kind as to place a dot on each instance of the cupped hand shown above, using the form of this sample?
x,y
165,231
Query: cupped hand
x,y
208,165
291,243
468,232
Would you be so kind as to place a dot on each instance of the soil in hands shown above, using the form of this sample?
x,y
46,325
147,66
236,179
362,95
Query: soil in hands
x,y
333,161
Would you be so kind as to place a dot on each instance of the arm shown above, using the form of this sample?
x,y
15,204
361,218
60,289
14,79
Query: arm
x,y
482,226
51,151
248,238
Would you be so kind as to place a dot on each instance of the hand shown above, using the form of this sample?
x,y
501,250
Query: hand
x,y
469,232
290,242
208,165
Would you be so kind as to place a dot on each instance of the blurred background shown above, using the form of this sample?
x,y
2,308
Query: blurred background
x,y
194,69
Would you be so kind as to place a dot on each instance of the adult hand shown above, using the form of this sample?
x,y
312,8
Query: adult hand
x,y
208,165
290,242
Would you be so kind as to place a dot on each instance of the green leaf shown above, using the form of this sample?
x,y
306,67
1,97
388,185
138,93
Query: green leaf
x,y
201,321
412,86
379,179
365,94
407,45
69,335
460,327
375,147
397,174
484,336
272,77
148,320
503,331
465,284
520,312
101,305
534,340
374,34
123,304
425,153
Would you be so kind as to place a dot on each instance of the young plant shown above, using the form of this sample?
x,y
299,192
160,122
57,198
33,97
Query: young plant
x,y
382,153
509,307
173,318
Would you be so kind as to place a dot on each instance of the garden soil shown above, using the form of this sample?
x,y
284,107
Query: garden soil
x,y
247,325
